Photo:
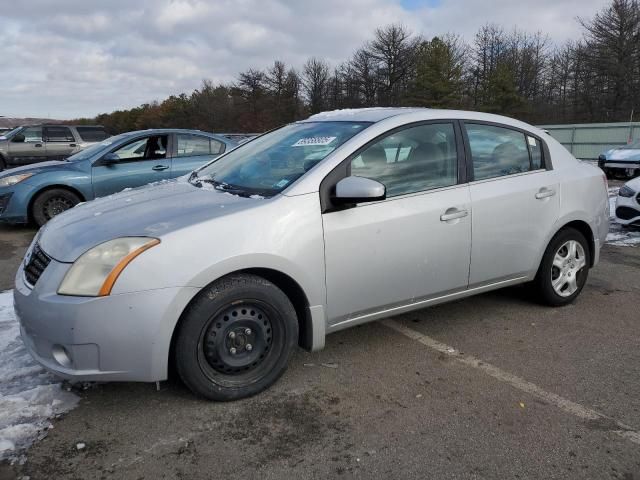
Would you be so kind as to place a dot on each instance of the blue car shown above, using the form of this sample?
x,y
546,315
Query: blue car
x,y
41,191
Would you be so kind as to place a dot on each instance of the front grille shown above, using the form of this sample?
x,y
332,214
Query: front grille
x,y
37,264
626,213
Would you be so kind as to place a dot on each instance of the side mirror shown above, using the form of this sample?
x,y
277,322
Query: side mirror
x,y
359,189
18,138
110,159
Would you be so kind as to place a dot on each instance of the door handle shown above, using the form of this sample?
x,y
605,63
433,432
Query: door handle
x,y
545,192
38,145
453,214
159,168
73,145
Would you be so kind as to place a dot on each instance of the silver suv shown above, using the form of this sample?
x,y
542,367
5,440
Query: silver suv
x,y
39,143
341,219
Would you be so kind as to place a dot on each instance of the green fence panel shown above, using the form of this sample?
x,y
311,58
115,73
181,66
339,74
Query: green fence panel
x,y
588,140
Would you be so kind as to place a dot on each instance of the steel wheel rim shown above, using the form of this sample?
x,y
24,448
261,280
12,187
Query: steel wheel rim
x,y
245,366
568,264
55,206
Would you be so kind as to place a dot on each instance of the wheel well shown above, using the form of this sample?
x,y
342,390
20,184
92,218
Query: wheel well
x,y
584,229
291,289
51,187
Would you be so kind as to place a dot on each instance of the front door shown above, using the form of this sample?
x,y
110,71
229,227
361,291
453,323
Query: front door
x,y
412,246
60,142
141,161
28,147
515,200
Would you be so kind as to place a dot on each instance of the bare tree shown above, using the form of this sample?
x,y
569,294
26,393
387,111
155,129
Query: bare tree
x,y
315,80
394,48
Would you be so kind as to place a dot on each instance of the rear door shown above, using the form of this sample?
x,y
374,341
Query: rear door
x,y
59,142
415,244
515,202
140,161
193,151
30,150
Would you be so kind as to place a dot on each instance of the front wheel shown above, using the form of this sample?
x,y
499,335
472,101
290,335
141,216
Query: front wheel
x,y
236,338
52,202
564,268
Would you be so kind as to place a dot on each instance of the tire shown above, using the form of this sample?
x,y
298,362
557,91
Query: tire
x,y
3,164
52,202
236,338
564,268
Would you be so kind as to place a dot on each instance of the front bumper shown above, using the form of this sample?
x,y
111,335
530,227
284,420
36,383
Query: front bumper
x,y
634,164
628,210
14,203
124,337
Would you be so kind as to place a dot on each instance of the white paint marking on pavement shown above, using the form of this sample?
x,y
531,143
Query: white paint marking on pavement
x,y
568,406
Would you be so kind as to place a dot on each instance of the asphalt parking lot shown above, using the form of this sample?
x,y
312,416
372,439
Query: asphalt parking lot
x,y
494,386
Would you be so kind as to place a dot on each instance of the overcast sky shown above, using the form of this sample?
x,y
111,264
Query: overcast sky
x,y
69,58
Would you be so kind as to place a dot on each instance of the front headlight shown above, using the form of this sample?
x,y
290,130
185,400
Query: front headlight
x,y
13,179
626,192
96,271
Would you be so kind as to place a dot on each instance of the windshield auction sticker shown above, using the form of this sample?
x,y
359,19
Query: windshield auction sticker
x,y
313,141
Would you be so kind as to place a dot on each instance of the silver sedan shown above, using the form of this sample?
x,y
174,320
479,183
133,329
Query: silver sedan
x,y
344,218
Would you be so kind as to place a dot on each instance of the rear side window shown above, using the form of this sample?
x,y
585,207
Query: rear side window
x,y
194,145
58,134
497,151
92,134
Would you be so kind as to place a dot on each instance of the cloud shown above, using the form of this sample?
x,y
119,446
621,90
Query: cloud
x,y
78,58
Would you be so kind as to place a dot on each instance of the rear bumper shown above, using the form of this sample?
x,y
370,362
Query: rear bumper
x,y
123,337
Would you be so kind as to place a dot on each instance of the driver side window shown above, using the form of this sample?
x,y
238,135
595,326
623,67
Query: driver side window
x,y
411,160
32,134
149,148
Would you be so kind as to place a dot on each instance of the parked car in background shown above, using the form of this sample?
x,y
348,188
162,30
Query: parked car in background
x,y
240,138
621,161
40,192
39,143
321,225
628,203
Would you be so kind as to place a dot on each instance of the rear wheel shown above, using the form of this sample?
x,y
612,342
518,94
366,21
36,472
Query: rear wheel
x,y
236,338
52,202
564,268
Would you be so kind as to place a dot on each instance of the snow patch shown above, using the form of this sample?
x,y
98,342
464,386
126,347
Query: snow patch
x,y
619,235
29,396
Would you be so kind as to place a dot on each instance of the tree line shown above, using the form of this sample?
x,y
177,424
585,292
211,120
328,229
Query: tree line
x,y
512,72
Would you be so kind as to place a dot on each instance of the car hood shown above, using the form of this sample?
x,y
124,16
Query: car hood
x,y
150,211
623,154
36,168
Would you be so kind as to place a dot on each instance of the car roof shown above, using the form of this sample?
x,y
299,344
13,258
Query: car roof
x,y
377,114
159,131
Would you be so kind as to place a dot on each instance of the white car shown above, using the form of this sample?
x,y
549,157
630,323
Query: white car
x,y
628,203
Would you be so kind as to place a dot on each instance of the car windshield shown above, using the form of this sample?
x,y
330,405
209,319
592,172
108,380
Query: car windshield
x,y
96,148
268,164
8,133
